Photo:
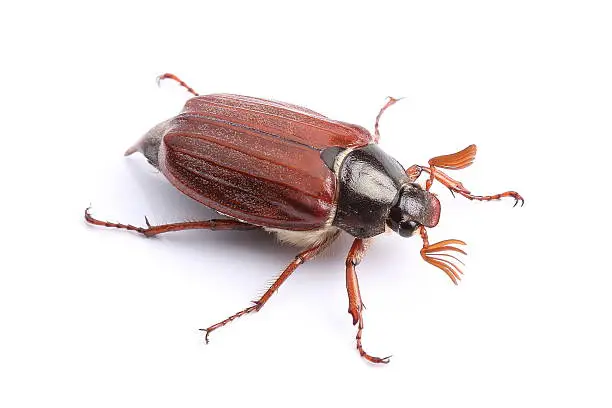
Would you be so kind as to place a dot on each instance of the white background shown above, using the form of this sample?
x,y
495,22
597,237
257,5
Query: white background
x,y
102,318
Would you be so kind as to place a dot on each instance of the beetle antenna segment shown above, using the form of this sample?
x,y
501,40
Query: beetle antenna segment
x,y
177,79
454,161
258,304
390,101
432,254
356,305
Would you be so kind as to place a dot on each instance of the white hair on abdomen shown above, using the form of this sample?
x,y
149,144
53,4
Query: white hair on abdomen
x,y
304,239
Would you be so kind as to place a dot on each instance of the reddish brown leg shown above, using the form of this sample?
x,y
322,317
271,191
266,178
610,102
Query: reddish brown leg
x,y
151,230
456,161
258,304
517,197
177,79
457,187
355,303
390,102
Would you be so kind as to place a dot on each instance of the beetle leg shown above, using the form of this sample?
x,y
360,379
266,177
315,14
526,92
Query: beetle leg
x,y
258,304
456,161
414,172
356,305
457,187
177,79
151,230
390,101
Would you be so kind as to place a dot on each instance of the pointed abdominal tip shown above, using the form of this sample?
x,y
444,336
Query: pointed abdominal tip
x,y
131,150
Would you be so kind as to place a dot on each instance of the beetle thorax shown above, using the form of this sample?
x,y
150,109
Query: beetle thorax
x,y
369,184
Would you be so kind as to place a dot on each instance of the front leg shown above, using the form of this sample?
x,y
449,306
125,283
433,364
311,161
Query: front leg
x,y
456,161
355,303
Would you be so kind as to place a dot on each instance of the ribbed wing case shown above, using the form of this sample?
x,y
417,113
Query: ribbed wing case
x,y
256,160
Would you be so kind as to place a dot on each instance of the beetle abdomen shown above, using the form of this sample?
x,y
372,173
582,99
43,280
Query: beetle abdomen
x,y
254,160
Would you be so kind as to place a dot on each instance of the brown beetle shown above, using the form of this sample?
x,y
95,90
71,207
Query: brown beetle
x,y
296,173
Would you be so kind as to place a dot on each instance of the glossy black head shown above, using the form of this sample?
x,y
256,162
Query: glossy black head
x,y
414,207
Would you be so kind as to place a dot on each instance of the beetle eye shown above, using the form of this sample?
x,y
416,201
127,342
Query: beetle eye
x,y
395,218
404,228
407,228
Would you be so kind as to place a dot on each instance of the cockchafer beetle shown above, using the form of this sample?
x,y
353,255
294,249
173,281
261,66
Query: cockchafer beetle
x,y
296,173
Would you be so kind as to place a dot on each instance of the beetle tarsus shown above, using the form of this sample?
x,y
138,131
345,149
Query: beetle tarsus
x,y
177,79
362,352
206,341
376,360
222,323
517,197
152,230
94,221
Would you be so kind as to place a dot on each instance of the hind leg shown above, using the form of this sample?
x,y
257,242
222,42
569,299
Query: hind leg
x,y
151,230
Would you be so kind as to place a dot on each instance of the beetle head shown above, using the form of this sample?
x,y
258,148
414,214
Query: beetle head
x,y
414,207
